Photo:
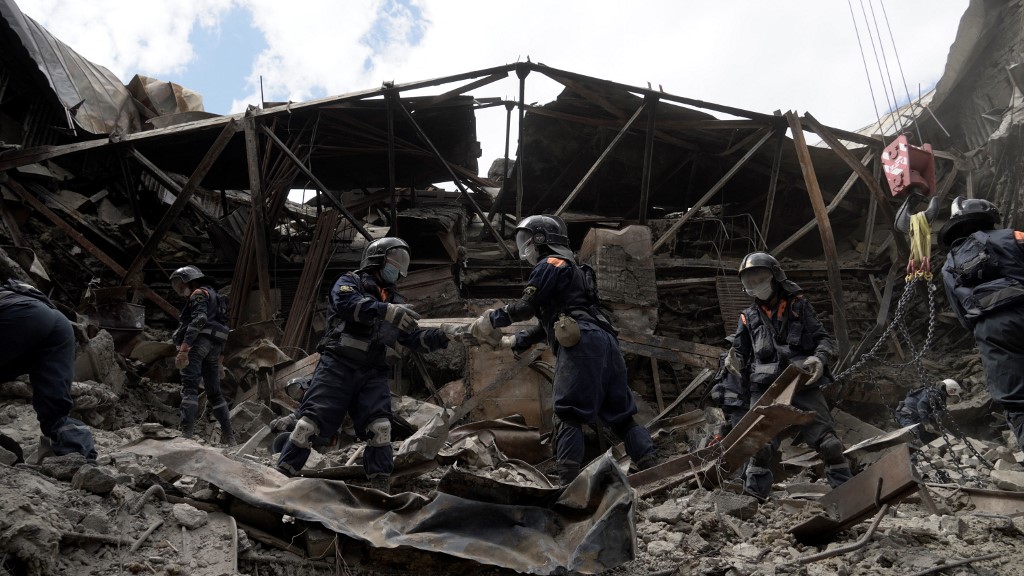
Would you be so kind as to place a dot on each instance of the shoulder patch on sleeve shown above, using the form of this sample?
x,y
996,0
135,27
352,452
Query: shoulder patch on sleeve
x,y
556,262
529,292
345,288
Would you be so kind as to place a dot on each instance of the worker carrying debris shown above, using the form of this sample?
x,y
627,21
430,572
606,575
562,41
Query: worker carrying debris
x,y
984,280
36,339
923,405
200,337
590,384
779,329
366,319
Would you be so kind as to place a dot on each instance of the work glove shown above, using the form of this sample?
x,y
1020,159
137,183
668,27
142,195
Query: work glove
x,y
402,316
459,333
484,332
508,342
283,424
733,362
181,360
814,365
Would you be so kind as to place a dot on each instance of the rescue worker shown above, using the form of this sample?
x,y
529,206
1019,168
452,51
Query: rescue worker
x,y
731,393
779,329
200,337
36,339
590,384
366,319
984,280
923,404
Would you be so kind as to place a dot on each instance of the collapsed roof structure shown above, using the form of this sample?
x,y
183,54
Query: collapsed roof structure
x,y
141,180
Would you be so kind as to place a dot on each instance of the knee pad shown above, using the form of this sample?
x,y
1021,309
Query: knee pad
x,y
831,450
380,432
305,429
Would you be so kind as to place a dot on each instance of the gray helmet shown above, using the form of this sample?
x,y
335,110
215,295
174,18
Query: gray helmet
x,y
182,276
763,260
373,254
967,216
549,231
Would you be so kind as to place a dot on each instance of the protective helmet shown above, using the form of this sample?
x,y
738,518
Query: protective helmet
x,y
184,275
952,387
763,260
967,216
375,252
543,230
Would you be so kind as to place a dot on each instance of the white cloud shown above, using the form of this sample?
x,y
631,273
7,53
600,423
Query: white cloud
x,y
127,37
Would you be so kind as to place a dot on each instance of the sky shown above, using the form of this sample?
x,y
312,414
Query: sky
x,y
759,55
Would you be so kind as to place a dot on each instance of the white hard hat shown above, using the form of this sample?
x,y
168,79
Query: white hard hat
x,y
952,387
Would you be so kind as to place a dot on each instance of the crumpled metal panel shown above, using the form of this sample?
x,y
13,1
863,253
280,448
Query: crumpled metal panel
x,y
589,528
102,101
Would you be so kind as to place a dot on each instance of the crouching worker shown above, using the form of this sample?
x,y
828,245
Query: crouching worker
x,y
366,319
590,374
200,337
779,329
923,405
36,339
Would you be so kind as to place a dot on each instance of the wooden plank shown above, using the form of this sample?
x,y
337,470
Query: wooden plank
x,y
694,209
257,212
697,381
304,304
773,184
169,217
466,88
829,137
828,242
86,244
481,395
657,384
847,186
600,160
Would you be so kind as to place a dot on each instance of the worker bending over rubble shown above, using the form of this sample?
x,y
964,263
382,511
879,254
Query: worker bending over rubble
x,y
200,337
36,339
984,280
366,319
590,374
923,404
779,329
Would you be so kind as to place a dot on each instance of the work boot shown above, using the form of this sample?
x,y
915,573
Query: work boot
x,y
381,482
188,428
227,435
647,461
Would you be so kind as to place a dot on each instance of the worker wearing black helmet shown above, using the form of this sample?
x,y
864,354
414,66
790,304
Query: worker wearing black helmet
x,y
200,337
779,329
366,319
590,375
984,280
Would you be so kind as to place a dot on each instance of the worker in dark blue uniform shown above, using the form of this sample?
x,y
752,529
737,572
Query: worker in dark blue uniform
x,y
923,405
36,339
984,280
779,329
200,337
366,319
590,384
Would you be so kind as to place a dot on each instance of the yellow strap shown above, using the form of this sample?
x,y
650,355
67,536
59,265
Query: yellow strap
x,y
920,247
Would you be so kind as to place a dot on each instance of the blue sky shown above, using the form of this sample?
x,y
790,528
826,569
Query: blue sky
x,y
798,55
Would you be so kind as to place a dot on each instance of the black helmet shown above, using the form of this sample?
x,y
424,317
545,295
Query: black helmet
x,y
546,229
763,260
182,276
967,216
373,254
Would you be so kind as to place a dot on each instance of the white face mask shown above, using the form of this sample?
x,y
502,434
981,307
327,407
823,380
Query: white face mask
x,y
757,282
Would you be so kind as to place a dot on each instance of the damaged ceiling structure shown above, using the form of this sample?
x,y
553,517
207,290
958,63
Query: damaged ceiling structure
x,y
108,187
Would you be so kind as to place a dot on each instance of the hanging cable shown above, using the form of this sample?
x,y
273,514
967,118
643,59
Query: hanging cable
x,y
888,74
863,58
878,62
899,64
